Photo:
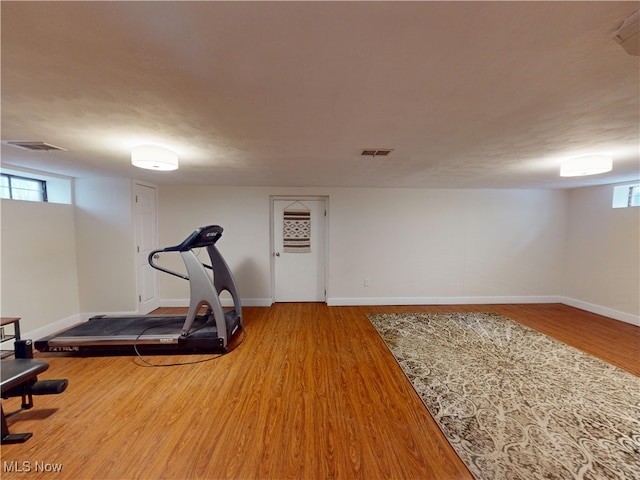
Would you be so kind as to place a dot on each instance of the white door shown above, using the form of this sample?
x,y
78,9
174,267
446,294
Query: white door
x,y
146,241
299,250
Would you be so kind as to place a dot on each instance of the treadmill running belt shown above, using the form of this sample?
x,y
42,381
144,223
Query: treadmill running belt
x,y
130,326
162,331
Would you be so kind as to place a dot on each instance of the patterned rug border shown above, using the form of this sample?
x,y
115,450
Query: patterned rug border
x,y
548,426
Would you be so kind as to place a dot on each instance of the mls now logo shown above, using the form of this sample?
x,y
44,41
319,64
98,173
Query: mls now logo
x,y
27,467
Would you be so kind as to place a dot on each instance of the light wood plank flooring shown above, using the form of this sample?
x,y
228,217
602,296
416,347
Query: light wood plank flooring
x,y
311,393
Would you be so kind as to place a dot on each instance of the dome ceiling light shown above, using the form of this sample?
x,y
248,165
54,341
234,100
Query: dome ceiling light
x,y
589,165
152,157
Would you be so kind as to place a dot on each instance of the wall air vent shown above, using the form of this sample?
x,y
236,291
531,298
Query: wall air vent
x,y
383,152
36,146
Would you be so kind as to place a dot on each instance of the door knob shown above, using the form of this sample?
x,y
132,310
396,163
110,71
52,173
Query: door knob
x,y
277,254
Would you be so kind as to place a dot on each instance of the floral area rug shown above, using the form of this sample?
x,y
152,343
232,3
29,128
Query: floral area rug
x,y
517,404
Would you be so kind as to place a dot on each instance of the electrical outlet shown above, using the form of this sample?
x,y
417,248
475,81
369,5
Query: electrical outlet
x,y
367,282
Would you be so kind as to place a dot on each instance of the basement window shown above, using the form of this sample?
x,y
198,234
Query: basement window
x,y
626,196
41,186
22,188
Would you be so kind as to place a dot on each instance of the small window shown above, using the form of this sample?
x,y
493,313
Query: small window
x,y
23,188
626,196
634,196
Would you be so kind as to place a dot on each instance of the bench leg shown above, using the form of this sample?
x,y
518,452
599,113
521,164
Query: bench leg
x,y
8,438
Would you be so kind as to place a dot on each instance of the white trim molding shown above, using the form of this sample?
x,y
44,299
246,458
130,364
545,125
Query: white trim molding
x,y
589,307
347,301
357,301
604,311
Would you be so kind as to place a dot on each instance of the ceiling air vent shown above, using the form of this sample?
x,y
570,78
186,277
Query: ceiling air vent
x,y
36,146
383,152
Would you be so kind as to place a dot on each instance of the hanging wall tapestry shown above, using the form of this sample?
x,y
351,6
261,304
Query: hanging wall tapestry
x,y
297,230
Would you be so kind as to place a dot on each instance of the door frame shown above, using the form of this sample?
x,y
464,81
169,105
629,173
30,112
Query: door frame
x,y
139,272
272,246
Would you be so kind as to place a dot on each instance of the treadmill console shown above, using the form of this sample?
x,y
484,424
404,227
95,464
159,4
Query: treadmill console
x,y
201,237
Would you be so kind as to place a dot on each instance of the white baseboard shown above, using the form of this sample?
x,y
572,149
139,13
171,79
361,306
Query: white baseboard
x,y
604,311
589,307
350,301
356,301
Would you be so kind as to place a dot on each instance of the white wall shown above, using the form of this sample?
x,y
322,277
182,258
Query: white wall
x,y
414,245
39,274
105,245
432,246
441,246
244,215
602,260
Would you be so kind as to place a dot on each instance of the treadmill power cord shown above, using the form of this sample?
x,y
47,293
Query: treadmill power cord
x,y
177,364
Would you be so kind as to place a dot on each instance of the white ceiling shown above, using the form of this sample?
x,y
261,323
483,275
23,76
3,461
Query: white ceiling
x,y
467,94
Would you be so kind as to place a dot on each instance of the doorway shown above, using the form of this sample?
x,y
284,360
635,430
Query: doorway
x,y
146,233
299,249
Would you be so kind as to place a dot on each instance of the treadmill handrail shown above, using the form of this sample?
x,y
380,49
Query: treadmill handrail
x,y
170,272
201,237
162,269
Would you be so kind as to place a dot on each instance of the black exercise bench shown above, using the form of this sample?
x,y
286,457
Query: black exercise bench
x,y
16,373
19,379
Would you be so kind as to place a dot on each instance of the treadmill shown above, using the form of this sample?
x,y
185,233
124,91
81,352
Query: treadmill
x,y
193,333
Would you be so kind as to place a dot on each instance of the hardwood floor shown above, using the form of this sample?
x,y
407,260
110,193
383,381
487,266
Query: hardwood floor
x,y
310,393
